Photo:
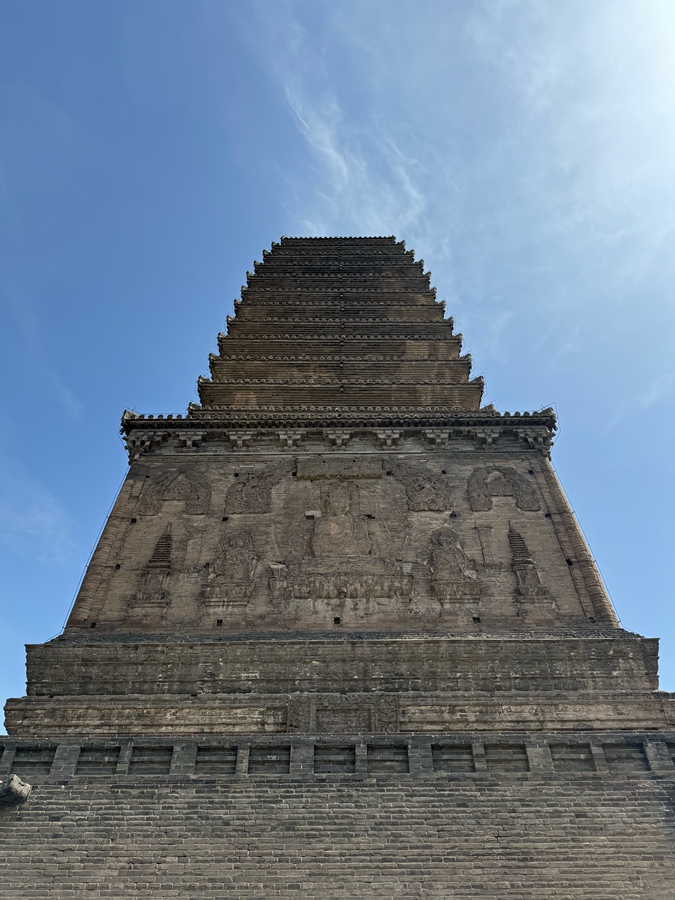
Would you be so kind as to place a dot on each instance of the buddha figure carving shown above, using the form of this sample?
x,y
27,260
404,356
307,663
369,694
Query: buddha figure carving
x,y
340,531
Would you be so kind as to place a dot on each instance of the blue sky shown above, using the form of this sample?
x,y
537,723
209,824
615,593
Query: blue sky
x,y
150,149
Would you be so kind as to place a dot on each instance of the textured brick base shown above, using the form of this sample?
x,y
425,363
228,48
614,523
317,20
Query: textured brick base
x,y
505,834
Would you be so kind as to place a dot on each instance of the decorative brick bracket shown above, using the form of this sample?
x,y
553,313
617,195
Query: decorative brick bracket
x,y
438,437
487,437
139,442
190,440
388,437
338,438
291,438
240,439
536,438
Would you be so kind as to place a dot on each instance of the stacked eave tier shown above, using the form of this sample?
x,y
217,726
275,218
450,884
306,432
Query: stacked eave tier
x,y
339,322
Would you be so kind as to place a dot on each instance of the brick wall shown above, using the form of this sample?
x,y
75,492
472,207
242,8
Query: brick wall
x,y
494,816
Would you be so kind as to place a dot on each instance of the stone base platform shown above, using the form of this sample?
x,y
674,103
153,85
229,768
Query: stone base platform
x,y
601,680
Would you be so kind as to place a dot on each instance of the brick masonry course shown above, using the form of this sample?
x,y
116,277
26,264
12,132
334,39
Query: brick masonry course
x,y
508,835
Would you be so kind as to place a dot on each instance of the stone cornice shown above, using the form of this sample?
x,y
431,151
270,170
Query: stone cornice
x,y
345,320
271,264
338,304
487,414
318,381
347,337
305,357
346,289
384,426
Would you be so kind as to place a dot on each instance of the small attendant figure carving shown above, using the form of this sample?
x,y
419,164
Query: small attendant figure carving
x,y
232,577
453,574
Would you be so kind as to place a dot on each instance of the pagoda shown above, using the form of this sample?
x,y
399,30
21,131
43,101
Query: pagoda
x,y
341,635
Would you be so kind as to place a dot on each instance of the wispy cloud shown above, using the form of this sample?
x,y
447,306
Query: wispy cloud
x,y
19,312
527,148
73,406
364,179
32,523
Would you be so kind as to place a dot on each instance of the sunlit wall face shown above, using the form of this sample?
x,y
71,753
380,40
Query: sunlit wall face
x,y
150,150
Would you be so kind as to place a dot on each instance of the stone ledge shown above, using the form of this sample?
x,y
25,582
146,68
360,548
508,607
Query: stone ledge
x,y
402,713
517,664
483,754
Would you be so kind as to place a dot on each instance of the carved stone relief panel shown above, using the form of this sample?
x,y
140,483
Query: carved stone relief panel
x,y
343,714
341,531
231,576
487,482
153,596
315,468
184,484
346,715
491,561
346,720
425,490
252,490
453,575
536,603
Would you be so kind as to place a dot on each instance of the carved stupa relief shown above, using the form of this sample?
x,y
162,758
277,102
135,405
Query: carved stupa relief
x,y
153,596
536,605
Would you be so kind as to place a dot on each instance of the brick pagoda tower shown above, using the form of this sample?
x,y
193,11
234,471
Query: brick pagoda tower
x,y
341,636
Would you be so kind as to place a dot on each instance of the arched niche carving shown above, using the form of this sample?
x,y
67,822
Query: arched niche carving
x,y
425,490
252,492
184,485
487,482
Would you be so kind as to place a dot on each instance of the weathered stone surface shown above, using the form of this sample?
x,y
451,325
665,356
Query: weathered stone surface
x,y
550,662
341,636
379,540
14,791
